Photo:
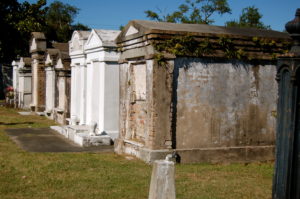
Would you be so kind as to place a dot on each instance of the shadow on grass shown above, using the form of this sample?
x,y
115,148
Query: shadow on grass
x,y
15,123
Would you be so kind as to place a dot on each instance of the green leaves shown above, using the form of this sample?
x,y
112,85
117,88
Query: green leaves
x,y
193,11
59,19
250,17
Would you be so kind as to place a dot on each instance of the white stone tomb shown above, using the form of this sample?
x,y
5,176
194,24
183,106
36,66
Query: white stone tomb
x,y
95,88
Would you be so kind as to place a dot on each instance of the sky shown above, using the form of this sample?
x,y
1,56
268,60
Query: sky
x,y
111,14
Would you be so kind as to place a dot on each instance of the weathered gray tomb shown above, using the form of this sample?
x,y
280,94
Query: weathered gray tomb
x,y
58,82
213,107
23,83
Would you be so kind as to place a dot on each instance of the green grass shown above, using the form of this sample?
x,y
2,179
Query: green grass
x,y
110,176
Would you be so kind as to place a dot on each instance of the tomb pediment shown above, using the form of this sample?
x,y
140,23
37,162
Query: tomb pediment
x,y
37,42
14,63
21,63
78,40
33,45
25,62
59,64
93,41
75,43
131,30
101,38
48,61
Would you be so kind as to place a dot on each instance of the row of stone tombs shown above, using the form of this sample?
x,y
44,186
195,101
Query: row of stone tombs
x,y
110,86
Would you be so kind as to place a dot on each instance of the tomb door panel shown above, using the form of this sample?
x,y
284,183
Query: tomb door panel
x,y
138,102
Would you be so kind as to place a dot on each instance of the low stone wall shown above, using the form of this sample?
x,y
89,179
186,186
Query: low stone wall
x,y
224,106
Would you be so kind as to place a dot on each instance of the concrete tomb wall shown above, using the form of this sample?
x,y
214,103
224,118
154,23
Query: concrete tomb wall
x,y
63,98
58,83
209,109
51,59
24,83
234,105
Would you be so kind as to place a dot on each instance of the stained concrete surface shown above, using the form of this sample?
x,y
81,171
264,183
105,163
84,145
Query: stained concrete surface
x,y
47,140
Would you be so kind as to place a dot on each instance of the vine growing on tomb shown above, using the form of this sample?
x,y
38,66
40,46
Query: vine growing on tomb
x,y
189,46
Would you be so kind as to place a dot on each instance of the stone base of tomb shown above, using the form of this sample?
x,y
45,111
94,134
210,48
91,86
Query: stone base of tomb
x,y
40,113
80,135
49,114
26,113
112,134
59,116
208,155
137,149
35,108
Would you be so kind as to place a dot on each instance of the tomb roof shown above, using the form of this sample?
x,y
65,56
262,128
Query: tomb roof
x,y
63,47
137,28
25,62
52,51
77,42
38,35
107,36
83,34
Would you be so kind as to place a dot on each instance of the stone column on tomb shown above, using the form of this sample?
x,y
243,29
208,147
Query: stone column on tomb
x,y
89,79
50,89
83,93
15,65
37,50
74,91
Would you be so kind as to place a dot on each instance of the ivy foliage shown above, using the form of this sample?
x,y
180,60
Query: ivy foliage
x,y
188,46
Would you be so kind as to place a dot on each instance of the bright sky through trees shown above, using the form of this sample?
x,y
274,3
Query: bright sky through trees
x,y
110,14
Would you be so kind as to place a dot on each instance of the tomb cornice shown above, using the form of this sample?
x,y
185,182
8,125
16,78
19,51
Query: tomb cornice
x,y
248,43
24,70
77,54
165,28
49,68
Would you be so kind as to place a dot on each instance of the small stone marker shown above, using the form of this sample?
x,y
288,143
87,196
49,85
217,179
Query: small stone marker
x,y
163,180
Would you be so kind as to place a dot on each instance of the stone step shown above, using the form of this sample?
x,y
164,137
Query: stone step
x,y
81,136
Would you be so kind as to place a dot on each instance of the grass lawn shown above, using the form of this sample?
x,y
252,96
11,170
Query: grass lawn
x,y
109,176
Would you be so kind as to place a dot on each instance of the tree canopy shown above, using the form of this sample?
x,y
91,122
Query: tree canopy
x,y
18,20
250,17
59,21
193,11
202,11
